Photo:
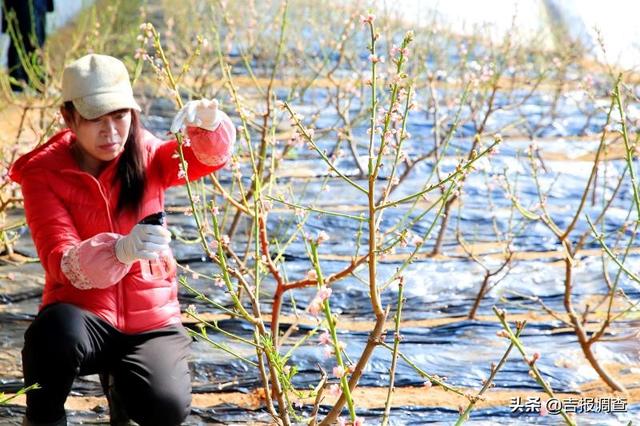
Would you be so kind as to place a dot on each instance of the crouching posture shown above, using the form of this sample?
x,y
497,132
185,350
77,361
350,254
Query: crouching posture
x,y
85,193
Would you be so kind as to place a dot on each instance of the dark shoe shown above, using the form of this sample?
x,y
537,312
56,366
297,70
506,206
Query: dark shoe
x,y
61,422
117,414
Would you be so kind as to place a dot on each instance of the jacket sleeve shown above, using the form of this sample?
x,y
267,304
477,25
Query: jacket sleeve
x,y
93,262
205,152
65,257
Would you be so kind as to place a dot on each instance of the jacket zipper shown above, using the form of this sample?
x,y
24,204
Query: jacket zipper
x,y
120,307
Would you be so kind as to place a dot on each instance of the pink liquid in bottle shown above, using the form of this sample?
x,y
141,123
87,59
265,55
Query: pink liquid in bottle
x,y
162,267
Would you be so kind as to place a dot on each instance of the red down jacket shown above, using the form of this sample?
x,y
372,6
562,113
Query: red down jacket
x,y
72,218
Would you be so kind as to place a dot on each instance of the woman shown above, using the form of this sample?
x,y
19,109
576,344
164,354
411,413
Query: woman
x,y
85,192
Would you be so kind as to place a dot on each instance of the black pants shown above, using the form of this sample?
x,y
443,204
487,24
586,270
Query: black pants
x,y
150,370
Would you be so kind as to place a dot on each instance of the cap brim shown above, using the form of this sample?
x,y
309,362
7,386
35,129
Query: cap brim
x,y
94,106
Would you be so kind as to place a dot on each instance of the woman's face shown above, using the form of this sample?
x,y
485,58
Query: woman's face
x,y
101,139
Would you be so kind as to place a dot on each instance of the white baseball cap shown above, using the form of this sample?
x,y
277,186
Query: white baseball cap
x,y
97,85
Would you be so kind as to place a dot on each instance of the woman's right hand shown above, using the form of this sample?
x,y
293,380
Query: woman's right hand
x,y
202,113
143,242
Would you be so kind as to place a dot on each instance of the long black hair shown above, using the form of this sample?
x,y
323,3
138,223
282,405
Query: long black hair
x,y
130,172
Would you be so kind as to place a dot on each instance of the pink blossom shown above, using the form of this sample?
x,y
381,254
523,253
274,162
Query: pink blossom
x,y
416,239
427,384
588,80
404,51
334,390
338,371
322,237
312,274
316,304
396,118
311,133
403,241
376,58
502,333
296,139
315,307
359,421
325,338
367,19
342,421
324,293
146,29
218,282
327,352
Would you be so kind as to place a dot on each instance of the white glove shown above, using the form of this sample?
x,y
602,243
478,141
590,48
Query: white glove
x,y
203,113
143,242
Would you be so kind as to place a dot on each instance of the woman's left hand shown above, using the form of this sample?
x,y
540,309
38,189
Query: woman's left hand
x,y
202,113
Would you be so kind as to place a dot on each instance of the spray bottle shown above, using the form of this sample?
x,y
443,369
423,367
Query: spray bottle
x,y
162,267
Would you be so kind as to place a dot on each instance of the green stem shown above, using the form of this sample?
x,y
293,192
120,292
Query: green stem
x,y
487,383
394,355
627,146
326,159
432,378
313,209
532,365
430,188
344,383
